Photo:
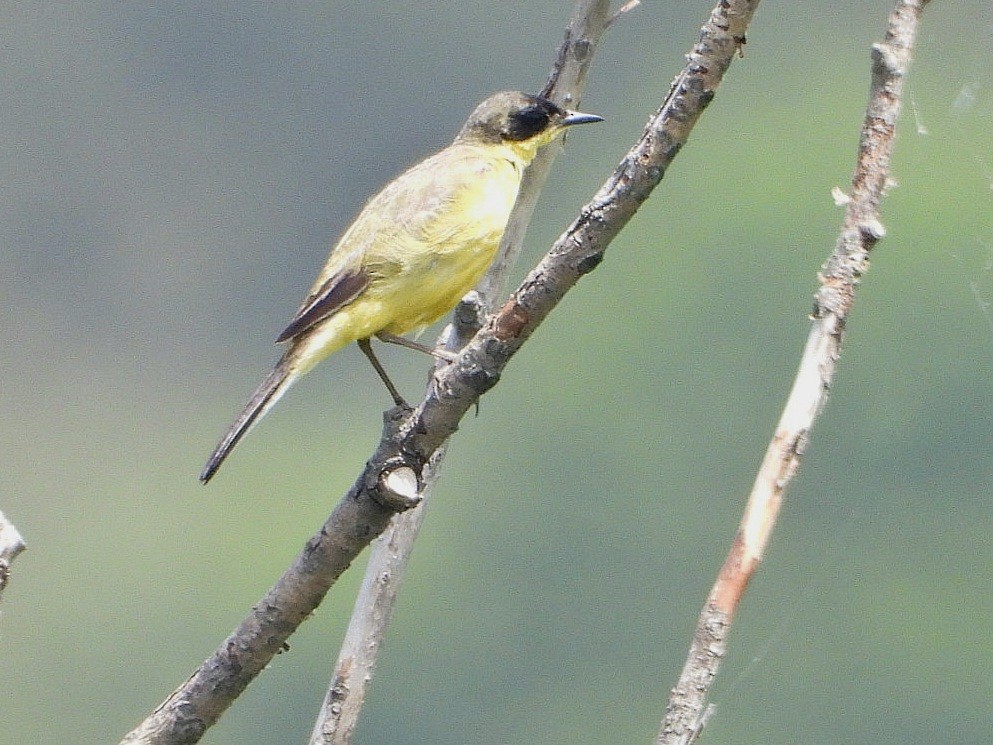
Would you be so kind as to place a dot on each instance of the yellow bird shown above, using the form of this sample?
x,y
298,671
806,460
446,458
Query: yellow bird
x,y
415,249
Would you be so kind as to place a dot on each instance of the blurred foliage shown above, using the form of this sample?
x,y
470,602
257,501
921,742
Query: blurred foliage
x,y
172,176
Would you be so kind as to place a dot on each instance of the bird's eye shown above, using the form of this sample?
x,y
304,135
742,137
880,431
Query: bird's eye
x,y
527,122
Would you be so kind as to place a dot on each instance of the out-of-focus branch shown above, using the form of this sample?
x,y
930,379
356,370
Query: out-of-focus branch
x,y
11,544
391,552
565,85
411,438
860,230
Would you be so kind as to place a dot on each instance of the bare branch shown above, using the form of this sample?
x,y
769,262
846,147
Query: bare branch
x,y
861,229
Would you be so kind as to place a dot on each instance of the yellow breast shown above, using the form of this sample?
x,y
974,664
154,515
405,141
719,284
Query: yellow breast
x,y
421,273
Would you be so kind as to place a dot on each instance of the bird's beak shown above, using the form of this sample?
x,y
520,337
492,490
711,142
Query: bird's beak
x,y
577,117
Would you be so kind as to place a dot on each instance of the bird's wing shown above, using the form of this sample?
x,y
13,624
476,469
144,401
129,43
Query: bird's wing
x,y
337,291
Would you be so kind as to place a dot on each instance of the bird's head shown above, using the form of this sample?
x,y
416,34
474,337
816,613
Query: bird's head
x,y
520,120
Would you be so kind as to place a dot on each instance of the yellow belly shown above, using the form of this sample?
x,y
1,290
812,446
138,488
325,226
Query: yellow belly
x,y
422,276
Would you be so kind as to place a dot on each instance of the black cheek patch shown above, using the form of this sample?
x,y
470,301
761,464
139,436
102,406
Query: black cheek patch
x,y
525,123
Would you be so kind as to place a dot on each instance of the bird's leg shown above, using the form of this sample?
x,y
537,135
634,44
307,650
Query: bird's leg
x,y
437,352
366,348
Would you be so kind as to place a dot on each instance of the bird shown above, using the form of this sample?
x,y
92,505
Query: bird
x,y
414,250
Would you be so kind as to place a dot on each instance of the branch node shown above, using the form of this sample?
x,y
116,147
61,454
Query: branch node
x,y
510,322
469,315
581,49
872,229
399,486
589,263
885,60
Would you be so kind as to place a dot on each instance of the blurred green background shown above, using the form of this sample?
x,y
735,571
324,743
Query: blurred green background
x,y
172,175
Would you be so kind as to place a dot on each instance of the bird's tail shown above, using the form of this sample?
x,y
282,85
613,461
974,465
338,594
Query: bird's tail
x,y
264,398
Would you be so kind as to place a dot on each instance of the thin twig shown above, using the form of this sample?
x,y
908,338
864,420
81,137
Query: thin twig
x,y
391,552
626,8
861,229
411,438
